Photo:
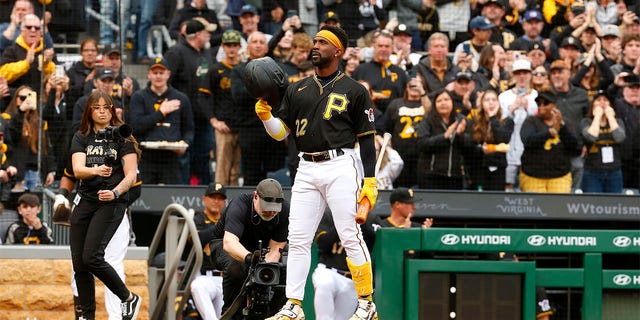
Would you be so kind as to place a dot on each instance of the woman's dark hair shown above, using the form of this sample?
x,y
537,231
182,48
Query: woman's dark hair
x,y
592,105
86,124
486,57
481,128
434,96
30,123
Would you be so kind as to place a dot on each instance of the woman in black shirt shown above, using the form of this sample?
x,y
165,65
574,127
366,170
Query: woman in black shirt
x,y
106,166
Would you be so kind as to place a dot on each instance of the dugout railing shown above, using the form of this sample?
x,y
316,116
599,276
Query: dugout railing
x,y
397,278
170,276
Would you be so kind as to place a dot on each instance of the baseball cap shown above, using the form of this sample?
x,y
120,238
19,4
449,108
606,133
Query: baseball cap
x,y
330,15
210,27
495,2
401,28
547,96
215,188
559,64
270,195
599,93
481,23
104,73
29,199
571,41
403,195
248,8
159,62
464,75
577,7
194,26
610,30
532,15
632,80
111,48
536,45
231,36
521,64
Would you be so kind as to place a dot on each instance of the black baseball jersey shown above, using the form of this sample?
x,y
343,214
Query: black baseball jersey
x,y
205,228
329,117
386,223
385,78
401,119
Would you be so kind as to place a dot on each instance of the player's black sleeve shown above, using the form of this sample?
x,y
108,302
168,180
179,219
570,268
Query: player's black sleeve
x,y
368,154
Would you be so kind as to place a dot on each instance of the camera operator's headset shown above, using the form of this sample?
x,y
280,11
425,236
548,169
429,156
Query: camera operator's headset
x,y
240,298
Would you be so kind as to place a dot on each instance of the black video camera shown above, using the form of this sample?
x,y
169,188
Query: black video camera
x,y
265,288
113,133
266,274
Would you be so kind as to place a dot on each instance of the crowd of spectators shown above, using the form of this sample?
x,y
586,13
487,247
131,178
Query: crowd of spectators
x,y
476,94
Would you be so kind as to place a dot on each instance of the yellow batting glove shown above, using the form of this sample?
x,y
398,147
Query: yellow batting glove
x,y
263,110
369,190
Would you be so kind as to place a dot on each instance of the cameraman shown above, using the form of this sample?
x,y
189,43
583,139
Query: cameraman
x,y
249,218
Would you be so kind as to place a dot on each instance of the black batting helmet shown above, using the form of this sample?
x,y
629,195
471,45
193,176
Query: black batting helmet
x,y
265,79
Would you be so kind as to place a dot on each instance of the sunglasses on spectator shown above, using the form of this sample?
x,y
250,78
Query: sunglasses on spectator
x,y
272,199
22,98
540,74
33,28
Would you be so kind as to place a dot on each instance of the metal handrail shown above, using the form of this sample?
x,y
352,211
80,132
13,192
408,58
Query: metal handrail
x,y
174,249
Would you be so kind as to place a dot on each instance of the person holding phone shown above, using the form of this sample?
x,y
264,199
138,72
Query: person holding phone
x,y
517,103
468,51
290,27
24,140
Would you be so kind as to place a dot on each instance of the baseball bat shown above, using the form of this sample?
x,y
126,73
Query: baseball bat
x,y
364,206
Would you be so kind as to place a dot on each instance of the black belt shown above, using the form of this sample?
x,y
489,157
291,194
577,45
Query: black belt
x,y
322,156
214,273
346,274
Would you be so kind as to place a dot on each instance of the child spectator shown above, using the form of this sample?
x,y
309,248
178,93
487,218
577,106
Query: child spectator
x,y
29,230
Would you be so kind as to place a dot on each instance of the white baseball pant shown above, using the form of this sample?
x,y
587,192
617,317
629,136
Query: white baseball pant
x,y
335,183
335,296
206,291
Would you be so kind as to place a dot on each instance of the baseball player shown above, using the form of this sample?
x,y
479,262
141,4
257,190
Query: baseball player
x,y
402,209
327,113
335,296
206,288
